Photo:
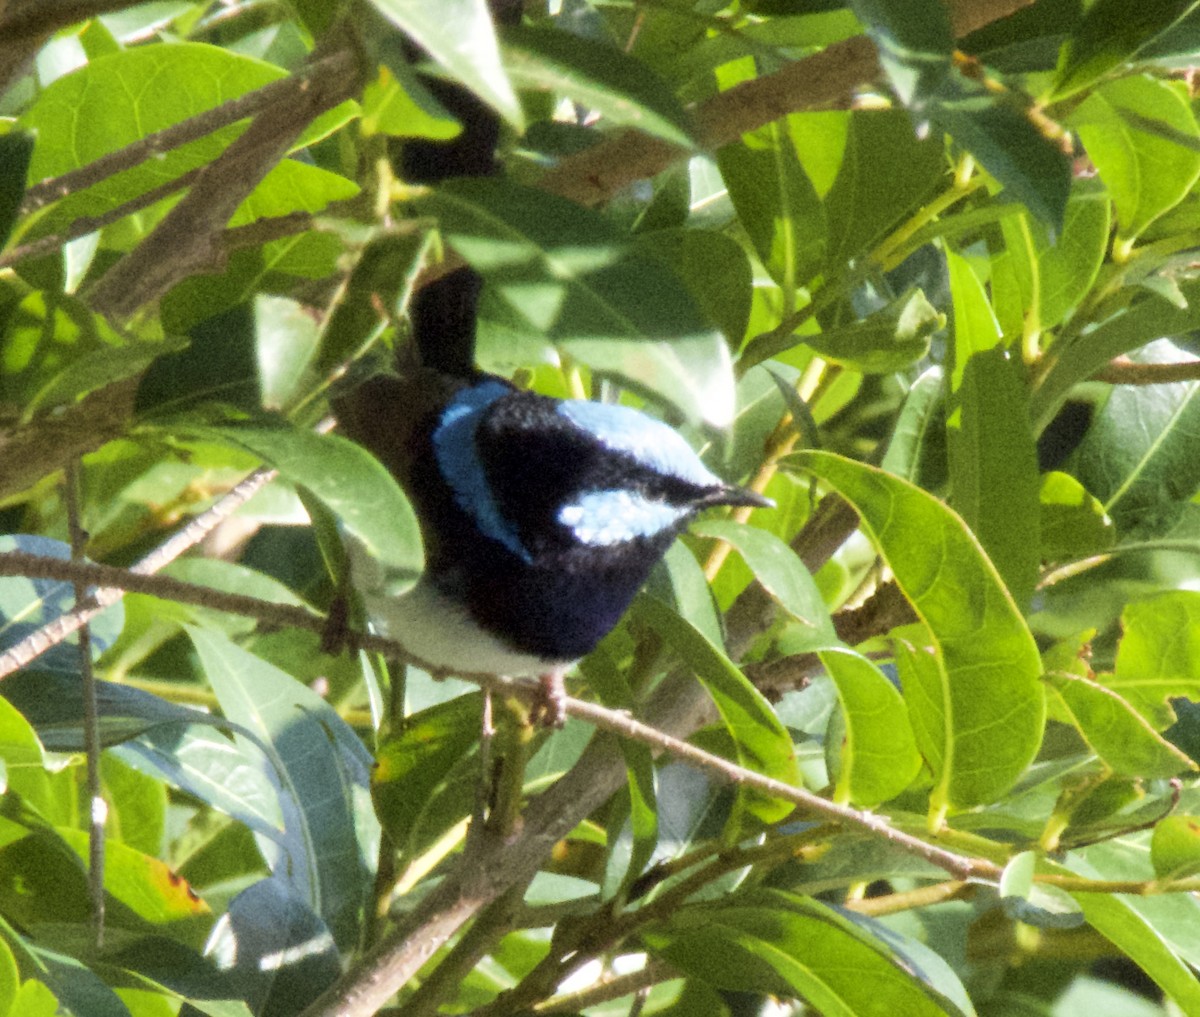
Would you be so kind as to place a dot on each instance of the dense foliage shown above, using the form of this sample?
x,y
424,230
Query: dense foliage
x,y
924,275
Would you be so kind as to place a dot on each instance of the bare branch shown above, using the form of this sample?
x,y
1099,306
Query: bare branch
x,y
1124,371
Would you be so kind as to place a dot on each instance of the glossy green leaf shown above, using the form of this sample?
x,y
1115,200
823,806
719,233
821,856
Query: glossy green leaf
x,y
885,173
459,35
411,766
1159,654
879,756
403,108
979,723
768,941
976,329
715,269
891,339
597,76
287,338
324,771
575,281
16,149
1073,523
34,999
776,566
917,449
348,480
10,980
55,352
277,953
1146,174
1120,736
115,100
1110,34
776,204
761,742
1140,454
994,469
1052,277
1175,847
79,990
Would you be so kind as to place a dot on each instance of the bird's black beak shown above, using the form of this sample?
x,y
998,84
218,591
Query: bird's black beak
x,y
736,496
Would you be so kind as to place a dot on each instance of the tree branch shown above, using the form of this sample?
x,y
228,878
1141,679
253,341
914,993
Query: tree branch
x,y
1123,371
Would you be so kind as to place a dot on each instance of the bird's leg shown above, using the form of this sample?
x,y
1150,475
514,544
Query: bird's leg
x,y
550,706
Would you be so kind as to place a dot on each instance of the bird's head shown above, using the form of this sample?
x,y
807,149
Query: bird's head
x,y
540,476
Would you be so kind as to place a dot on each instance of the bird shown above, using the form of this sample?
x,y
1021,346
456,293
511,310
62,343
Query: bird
x,y
541,520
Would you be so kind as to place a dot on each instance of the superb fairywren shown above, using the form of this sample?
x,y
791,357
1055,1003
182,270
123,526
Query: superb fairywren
x,y
541,519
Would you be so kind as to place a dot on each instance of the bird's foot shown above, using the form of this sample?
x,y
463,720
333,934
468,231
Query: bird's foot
x,y
550,705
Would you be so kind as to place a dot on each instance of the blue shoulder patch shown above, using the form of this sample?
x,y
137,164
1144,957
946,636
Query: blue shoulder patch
x,y
457,457
601,518
651,442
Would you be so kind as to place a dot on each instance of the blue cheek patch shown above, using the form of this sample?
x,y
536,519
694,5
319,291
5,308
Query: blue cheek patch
x,y
649,441
457,457
603,518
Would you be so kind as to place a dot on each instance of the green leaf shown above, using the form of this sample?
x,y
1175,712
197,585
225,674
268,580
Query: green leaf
x,y
597,76
575,280
761,742
979,723
879,757
413,766
1175,847
715,269
10,980
1120,736
994,468
278,954
55,352
768,941
324,772
780,571
1073,523
347,479
459,35
115,100
885,173
1109,35
286,342
891,339
1159,654
402,107
1139,454
976,329
776,204
999,130
16,149
686,589
916,450
1146,174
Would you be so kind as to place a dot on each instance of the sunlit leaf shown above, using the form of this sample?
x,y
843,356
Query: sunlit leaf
x,y
978,714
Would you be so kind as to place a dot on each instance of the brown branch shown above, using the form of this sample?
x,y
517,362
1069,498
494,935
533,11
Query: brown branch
x,y
825,80
1123,371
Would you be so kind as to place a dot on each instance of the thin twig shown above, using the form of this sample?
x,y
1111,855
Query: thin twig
x,y
53,633
97,807
1124,371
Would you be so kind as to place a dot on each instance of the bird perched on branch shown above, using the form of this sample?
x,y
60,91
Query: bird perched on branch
x,y
542,518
